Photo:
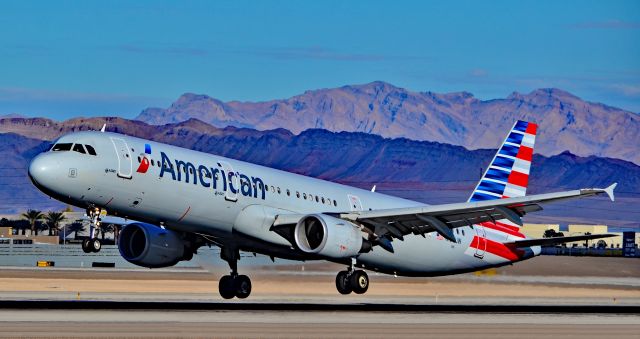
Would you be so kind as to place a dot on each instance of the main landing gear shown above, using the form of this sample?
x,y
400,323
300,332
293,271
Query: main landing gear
x,y
233,285
356,281
92,244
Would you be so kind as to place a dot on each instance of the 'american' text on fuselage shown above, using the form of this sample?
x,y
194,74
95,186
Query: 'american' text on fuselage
x,y
215,178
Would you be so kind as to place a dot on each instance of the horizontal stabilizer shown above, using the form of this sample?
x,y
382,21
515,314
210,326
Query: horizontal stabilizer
x,y
556,240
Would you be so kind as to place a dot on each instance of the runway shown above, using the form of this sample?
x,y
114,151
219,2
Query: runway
x,y
101,319
314,307
541,298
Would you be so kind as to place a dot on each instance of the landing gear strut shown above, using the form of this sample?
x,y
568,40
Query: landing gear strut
x,y
351,280
233,285
92,244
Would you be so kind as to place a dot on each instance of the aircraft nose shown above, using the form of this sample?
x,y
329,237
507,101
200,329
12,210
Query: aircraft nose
x,y
41,168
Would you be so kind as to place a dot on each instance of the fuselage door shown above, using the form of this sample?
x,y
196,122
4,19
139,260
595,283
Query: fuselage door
x,y
232,180
354,203
481,238
125,163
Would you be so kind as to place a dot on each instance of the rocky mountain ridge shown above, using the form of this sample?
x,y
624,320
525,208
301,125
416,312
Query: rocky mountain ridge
x,y
567,123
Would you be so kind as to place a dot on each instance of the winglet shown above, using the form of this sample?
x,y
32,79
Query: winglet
x,y
609,191
103,128
373,189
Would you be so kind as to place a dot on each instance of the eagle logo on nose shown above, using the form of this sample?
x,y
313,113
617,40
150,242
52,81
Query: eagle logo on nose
x,y
145,162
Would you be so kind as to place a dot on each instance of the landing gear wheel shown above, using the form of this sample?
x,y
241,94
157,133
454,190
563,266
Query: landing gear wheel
x,y
85,246
359,281
95,245
243,286
342,283
226,287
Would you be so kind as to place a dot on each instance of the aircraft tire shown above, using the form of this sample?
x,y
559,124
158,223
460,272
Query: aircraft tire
x,y
242,285
359,281
85,246
95,245
342,283
226,287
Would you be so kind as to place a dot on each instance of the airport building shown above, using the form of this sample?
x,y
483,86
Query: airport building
x,y
7,237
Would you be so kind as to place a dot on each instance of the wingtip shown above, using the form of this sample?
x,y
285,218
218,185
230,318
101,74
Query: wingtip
x,y
609,191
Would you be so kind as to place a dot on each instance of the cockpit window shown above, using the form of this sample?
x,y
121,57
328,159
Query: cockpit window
x,y
61,147
90,149
78,148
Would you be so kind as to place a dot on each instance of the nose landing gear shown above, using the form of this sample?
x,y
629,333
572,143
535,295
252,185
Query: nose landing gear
x,y
92,244
233,285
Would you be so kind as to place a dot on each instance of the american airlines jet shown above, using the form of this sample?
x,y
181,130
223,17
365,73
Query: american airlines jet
x,y
185,199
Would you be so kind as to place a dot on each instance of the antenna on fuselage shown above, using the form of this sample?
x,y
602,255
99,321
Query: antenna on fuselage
x,y
103,128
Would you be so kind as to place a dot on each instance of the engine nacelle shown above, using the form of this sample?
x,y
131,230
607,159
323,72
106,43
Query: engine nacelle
x,y
328,236
150,246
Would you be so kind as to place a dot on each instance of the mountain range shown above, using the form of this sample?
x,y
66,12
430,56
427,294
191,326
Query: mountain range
x,y
354,158
566,122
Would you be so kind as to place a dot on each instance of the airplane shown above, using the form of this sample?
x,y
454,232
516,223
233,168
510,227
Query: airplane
x,y
183,199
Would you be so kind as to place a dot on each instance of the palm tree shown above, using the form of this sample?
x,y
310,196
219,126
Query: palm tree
x,y
33,216
106,228
76,226
53,220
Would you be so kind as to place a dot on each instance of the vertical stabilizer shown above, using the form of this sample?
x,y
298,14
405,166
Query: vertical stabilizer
x,y
508,174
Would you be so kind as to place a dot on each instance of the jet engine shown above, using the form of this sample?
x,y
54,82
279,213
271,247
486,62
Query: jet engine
x,y
151,246
330,237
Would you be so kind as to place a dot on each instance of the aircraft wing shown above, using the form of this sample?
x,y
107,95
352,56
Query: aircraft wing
x,y
443,218
556,240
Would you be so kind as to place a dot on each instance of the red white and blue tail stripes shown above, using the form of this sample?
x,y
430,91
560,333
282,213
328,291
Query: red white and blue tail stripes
x,y
506,177
508,174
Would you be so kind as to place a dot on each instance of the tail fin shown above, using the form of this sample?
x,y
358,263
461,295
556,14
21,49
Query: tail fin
x,y
508,174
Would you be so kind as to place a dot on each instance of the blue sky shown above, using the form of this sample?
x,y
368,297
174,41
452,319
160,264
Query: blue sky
x,y
67,58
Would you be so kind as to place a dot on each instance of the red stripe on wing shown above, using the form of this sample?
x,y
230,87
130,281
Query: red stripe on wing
x,y
499,227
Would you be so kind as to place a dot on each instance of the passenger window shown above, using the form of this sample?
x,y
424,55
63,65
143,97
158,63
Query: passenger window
x,y
278,190
62,147
297,194
317,200
335,203
304,195
323,200
78,148
288,192
90,149
139,160
152,163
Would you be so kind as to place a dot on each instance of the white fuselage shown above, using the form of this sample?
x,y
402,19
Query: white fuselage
x,y
235,201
